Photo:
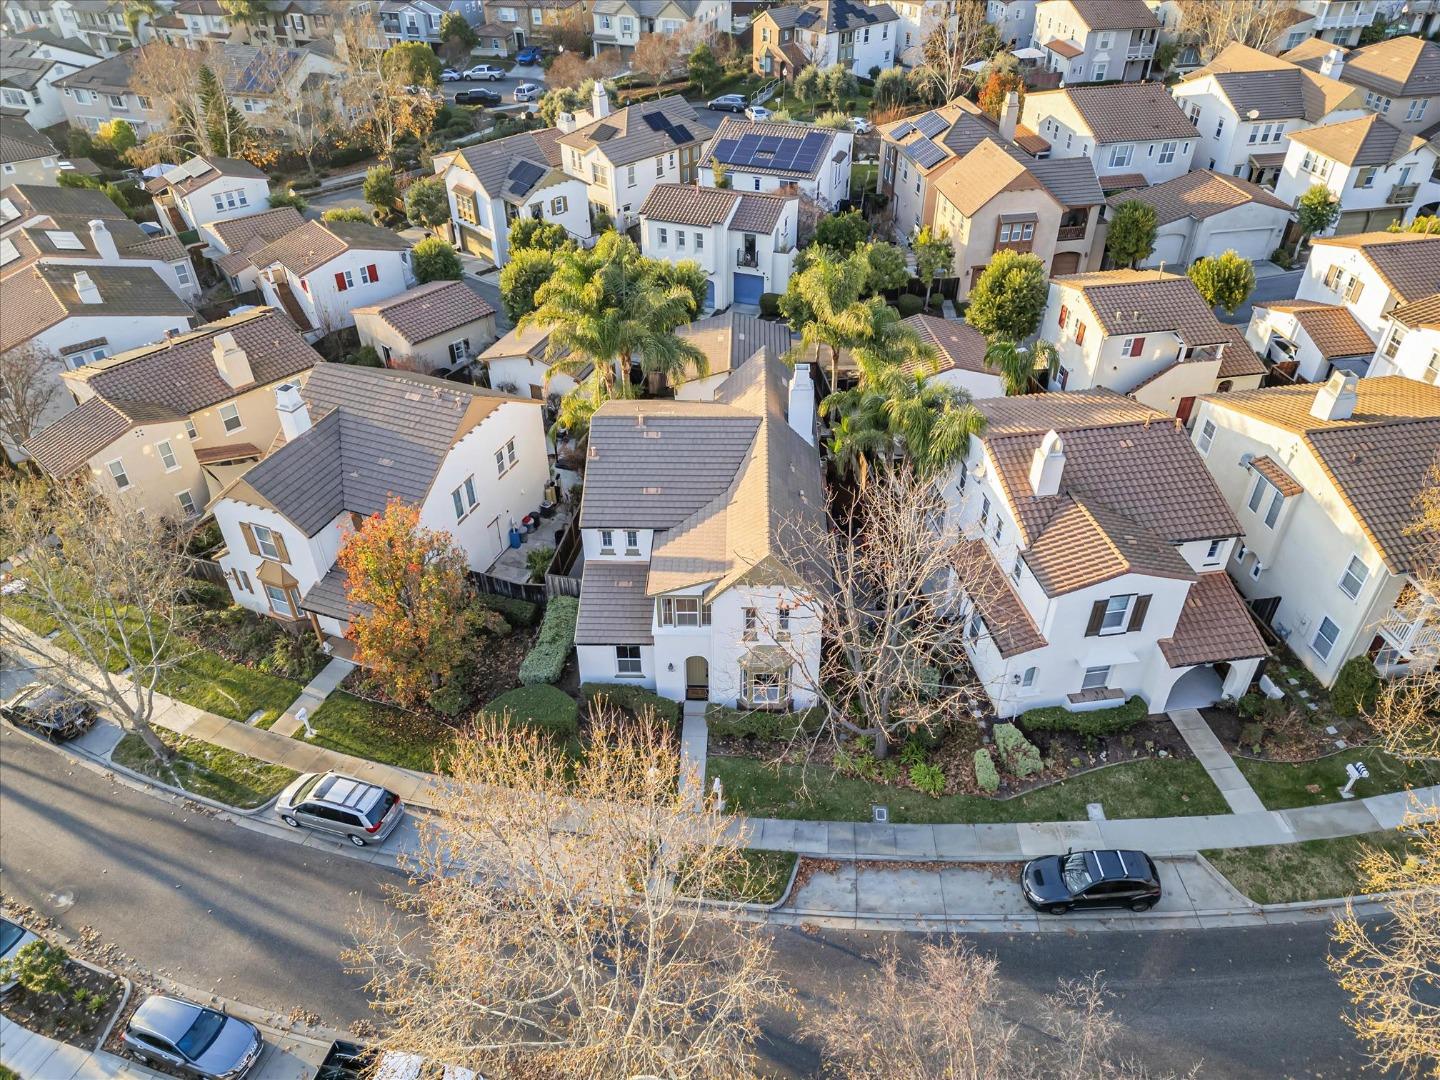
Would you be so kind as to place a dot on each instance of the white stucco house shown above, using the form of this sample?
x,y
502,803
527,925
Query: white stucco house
x,y
1371,274
520,363
1309,339
434,328
620,24
1340,21
1410,342
859,37
1201,214
770,156
30,64
1014,21
230,243
206,189
1097,40
1134,132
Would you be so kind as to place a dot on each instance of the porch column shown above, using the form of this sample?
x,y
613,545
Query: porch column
x,y
1239,677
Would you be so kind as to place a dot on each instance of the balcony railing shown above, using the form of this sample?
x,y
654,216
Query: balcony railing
x,y
746,258
1411,634
1070,232
1140,52
1402,194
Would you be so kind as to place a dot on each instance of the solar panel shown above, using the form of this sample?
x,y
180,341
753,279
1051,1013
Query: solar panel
x,y
931,124
725,149
769,144
811,147
681,133
657,121
925,153
525,172
746,150
903,130
604,132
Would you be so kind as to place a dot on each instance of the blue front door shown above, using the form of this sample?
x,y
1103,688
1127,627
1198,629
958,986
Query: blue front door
x,y
748,288
709,295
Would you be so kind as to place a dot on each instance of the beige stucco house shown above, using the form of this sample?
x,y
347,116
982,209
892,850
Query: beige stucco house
x,y
441,324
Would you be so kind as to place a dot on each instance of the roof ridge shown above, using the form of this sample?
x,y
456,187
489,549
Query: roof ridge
x,y
1104,533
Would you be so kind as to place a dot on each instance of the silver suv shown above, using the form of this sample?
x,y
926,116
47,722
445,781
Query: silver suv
x,y
335,803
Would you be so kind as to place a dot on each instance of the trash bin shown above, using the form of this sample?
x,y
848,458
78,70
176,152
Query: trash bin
x,y
514,538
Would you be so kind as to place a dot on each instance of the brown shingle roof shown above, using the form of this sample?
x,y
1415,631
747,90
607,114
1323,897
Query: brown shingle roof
x,y
1407,262
1282,481
1199,194
434,308
70,442
626,135
1148,302
315,243
1366,141
1010,626
1404,66
1418,313
1239,359
1114,14
1332,328
1085,543
958,344
689,204
1214,626
1126,111
983,173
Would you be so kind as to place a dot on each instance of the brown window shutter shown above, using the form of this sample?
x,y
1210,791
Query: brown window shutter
x,y
280,546
250,539
1097,616
1137,613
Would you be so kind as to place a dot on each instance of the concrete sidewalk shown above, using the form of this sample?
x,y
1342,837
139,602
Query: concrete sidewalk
x,y
1218,764
31,1055
313,696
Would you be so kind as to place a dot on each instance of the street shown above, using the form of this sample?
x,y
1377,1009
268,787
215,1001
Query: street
x,y
505,87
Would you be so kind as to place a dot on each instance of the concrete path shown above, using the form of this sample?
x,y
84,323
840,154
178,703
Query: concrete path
x,y
1220,765
313,696
31,1055
694,737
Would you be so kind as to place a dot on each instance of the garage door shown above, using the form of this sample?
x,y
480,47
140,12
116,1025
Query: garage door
x,y
709,295
748,288
1252,244
1167,250
1065,262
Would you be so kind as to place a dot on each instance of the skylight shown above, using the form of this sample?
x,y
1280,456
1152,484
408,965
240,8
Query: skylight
x,y
65,241
7,210
8,252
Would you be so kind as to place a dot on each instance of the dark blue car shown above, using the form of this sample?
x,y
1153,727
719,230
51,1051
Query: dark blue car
x,y
528,55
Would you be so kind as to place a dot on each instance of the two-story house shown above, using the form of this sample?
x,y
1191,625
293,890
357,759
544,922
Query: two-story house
x,y
197,23
322,271
1324,479
30,65
434,328
772,156
419,20
620,24
1341,21
859,37
472,461
728,340
621,156
1399,77
493,183
694,519
55,17
206,189
1097,40
1096,546
1202,214
1306,340
916,21
1245,104
1134,132
744,241
1014,21
103,92
1410,342
1144,333
26,156
104,25
231,241
534,22
164,426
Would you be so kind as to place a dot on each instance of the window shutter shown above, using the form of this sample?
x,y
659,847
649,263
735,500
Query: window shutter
x,y
374,273
340,281
1097,617
250,543
280,546
1136,346
1137,613
1356,288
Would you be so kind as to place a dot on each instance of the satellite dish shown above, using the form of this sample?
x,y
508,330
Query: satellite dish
x,y
1253,114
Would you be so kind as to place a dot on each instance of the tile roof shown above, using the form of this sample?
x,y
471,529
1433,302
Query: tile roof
x,y
729,339
36,242
1084,544
493,162
1403,66
42,296
1239,358
1068,49
1125,111
1011,628
1365,141
19,66
639,132
615,608
689,204
986,171
1147,302
251,233
317,242
1114,14
1409,263
113,74
1271,469
1274,87
958,345
21,142
74,438
1035,414
1199,194
1417,313
331,596
531,341
436,307
1332,328
1214,626
36,199
202,170
831,16
731,128
759,213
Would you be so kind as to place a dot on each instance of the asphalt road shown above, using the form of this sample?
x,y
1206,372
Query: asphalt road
x,y
504,87
262,920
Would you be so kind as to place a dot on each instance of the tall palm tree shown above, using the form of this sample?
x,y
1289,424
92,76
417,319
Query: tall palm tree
x,y
827,288
858,432
1017,366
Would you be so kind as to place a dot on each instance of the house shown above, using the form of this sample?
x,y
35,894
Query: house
x,y
744,241
262,80
519,363
1014,21
1378,173
694,522
861,38
168,424
1096,40
534,22
772,156
30,64
728,340
1410,342
959,356
1341,21
1144,333
1324,479
472,461
419,20
1309,339
53,17
1245,104
322,271
431,328
492,183
206,189
1096,545
230,242
916,21
1133,131
620,24
103,26
1400,77
1372,273
103,92
1203,213
194,23
82,227
26,156
621,156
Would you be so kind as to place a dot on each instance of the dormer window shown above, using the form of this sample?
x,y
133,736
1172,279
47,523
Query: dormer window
x,y
632,542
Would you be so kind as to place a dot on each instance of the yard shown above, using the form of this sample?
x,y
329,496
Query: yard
x,y
368,729
211,772
1291,873
1284,785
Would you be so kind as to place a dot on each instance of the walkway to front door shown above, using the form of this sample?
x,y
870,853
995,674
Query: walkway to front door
x,y
697,679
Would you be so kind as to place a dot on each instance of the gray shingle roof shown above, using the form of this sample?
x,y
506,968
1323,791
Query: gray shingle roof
x,y
492,162
112,75
315,243
730,339
642,131
21,142
41,296
1199,194
1126,111
434,308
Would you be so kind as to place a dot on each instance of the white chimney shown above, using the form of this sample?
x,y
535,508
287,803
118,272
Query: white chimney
x,y
565,121
103,241
801,408
1336,399
1010,116
1047,465
294,413
599,101
1332,63
231,361
89,294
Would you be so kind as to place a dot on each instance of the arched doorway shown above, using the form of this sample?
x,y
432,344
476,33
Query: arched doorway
x,y
1197,688
697,679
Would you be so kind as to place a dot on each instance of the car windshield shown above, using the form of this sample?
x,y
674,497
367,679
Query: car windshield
x,y
202,1033
9,935
1077,874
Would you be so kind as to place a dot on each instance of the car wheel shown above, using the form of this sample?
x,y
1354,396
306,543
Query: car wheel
x,y
290,821
358,841
1142,905
1058,909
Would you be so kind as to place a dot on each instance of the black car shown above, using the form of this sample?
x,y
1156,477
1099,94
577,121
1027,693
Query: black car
x,y
1091,879
478,96
51,711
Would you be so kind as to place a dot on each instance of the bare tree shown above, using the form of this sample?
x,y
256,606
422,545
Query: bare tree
x,y
375,100
567,946
102,575
568,70
29,389
308,119
1212,24
655,56
955,41
170,77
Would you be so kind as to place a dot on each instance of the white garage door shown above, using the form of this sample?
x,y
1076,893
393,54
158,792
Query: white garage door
x,y
1252,244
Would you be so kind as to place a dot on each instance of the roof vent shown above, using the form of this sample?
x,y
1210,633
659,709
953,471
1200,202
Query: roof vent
x,y
85,288
650,491
652,434
411,395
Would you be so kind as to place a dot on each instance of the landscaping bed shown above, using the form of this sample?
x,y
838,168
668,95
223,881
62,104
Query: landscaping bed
x,y
79,1005
204,769
759,878
1292,873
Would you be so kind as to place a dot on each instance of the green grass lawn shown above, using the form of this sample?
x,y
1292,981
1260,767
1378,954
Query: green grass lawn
x,y
862,180
1290,873
1148,788
1282,785
760,879
207,770
366,729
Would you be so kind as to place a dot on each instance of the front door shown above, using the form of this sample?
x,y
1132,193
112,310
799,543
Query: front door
x,y
1183,412
697,678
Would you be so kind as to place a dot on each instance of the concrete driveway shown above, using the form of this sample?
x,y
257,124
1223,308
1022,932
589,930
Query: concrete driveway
x,y
1271,283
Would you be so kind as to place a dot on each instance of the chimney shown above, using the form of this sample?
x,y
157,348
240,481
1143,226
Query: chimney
x,y
801,408
89,294
1010,116
103,241
294,413
231,361
1047,465
599,101
1332,63
565,121
1336,399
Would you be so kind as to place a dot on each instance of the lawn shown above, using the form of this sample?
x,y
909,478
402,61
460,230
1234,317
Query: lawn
x,y
1289,873
1148,788
1282,785
203,769
759,879
862,181
367,729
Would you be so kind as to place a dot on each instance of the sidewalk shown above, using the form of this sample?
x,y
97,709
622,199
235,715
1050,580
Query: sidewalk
x,y
32,1055
1218,764
694,737
313,696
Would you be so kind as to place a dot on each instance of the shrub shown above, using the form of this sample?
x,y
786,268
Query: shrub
x,y
277,201
928,779
516,612
294,656
1251,704
538,561
39,969
913,753
545,662
544,708
633,699
770,304
758,724
1282,258
1019,754
365,356
1356,687
1089,724
346,213
986,775
909,304
1252,735
450,700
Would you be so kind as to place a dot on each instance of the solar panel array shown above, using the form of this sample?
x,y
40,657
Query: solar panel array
x,y
522,176
784,153
679,133
931,124
903,130
925,153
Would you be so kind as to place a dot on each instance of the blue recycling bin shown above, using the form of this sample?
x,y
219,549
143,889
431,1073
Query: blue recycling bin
x,y
514,538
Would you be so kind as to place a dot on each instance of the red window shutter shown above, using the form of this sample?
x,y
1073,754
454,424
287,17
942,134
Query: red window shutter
x,y
1136,345
340,281
305,284
374,273
1064,315
1080,334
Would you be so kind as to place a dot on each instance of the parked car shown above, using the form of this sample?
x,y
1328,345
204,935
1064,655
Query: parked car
x,y
484,72
531,54
52,711
529,91
478,96
352,1061
727,103
1091,879
758,113
332,802
860,126
13,938
450,75
196,1040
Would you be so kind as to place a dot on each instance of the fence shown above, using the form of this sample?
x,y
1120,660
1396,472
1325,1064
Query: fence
x,y
515,590
206,570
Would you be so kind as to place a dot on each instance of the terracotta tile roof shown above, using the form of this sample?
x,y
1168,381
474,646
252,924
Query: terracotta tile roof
x,y
1407,262
1199,194
1030,141
1238,359
1067,49
1214,626
1283,482
759,213
42,296
1114,14
1125,181
70,441
960,346
1332,328
1147,302
1009,624
436,307
1085,543
689,204
982,174
1124,111
315,243
1366,141
1424,312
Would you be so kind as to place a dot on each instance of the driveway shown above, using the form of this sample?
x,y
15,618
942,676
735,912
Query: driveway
x,y
1276,284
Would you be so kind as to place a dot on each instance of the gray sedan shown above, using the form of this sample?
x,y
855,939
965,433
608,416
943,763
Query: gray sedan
x,y
192,1039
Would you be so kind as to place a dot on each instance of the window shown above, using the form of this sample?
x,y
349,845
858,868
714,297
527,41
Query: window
x,y
1392,345
1117,608
459,350
1258,498
1432,369
1102,69
1219,127
627,661
699,241
1167,152
265,541
1015,569
230,416
659,167
632,542
369,274
1064,316
187,503
756,182
1212,553
510,451
1017,232
1028,679
630,176
1326,634
1133,346
782,624
679,240
117,473
559,205
1121,154
1379,102
1366,177
1417,108
1104,40
664,237
1353,580
279,601
464,498
1204,437
1095,678
190,429
750,621
500,462
999,528
607,542
766,687
344,280
984,509
167,455
182,274
684,611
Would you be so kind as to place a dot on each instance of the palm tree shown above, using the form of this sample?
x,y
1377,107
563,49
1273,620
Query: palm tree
x,y
826,288
137,10
858,434
1017,366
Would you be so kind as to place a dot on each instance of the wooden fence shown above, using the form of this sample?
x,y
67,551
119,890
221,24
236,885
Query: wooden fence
x,y
515,590
206,570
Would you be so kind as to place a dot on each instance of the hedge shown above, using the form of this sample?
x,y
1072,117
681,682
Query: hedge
x,y
544,707
1020,755
1356,687
516,612
768,726
1089,724
633,699
986,775
545,662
